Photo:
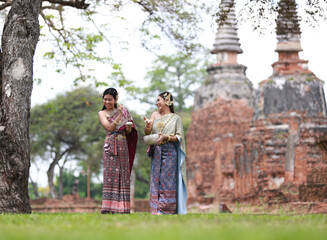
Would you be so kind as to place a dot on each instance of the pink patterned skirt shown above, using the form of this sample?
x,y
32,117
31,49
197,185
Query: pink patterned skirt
x,y
116,176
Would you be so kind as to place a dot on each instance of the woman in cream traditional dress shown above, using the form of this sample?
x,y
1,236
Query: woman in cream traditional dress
x,y
168,191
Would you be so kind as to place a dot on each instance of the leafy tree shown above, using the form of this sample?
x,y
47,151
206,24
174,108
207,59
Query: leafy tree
x,y
66,129
261,14
179,73
142,164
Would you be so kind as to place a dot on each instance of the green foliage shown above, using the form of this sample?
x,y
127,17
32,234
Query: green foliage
x,y
69,181
89,42
179,74
31,192
73,46
67,128
143,226
262,14
142,164
186,117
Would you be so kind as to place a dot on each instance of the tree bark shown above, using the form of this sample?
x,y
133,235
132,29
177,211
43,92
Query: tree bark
x,y
50,174
88,186
60,183
20,36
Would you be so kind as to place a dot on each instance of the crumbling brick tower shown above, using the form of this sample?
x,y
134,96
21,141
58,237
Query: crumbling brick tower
x,y
222,113
286,144
273,150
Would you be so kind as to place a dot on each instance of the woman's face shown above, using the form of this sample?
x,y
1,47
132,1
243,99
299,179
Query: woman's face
x,y
160,103
109,102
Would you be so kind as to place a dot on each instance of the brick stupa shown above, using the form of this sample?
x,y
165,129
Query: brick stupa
x,y
223,109
274,150
286,144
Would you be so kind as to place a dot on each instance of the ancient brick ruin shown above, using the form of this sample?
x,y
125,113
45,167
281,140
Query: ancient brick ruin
x,y
269,145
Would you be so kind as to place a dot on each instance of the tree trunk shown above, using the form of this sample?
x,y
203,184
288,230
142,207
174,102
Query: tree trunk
x,y
20,35
88,187
50,173
60,183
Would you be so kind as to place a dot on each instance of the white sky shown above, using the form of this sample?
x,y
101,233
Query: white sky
x,y
258,55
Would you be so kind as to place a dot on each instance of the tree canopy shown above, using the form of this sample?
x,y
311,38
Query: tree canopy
x,y
66,129
179,73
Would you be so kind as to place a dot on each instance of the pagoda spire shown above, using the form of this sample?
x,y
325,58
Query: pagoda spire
x,y
227,45
289,45
226,78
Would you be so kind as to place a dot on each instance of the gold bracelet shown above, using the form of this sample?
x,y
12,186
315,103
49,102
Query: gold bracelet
x,y
114,121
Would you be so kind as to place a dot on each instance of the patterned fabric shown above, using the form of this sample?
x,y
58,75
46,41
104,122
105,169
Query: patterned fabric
x,y
169,124
163,179
117,166
172,126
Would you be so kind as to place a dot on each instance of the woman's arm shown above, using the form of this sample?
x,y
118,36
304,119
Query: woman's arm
x,y
163,138
106,124
149,123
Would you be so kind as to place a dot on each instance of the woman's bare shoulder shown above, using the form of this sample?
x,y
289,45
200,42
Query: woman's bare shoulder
x,y
102,112
155,115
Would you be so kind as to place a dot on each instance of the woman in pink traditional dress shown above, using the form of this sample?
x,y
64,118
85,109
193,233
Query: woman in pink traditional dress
x,y
118,153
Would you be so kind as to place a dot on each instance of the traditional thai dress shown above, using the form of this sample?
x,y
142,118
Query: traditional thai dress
x,y
118,156
168,191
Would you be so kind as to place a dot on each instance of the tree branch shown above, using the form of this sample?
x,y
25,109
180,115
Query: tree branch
x,y
144,6
80,4
52,7
5,5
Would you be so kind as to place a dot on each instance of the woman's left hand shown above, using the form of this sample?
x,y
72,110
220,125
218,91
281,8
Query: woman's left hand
x,y
120,108
162,139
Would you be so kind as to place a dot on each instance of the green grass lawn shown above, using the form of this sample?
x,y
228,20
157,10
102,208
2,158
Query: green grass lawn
x,y
145,226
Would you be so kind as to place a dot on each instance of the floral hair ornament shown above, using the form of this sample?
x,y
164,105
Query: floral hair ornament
x,y
114,92
167,97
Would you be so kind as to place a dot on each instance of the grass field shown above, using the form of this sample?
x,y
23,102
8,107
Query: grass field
x,y
147,227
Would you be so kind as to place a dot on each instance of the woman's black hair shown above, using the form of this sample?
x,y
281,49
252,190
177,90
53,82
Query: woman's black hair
x,y
111,91
171,107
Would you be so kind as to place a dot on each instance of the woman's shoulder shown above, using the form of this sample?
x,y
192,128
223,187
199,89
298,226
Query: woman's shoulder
x,y
101,112
155,115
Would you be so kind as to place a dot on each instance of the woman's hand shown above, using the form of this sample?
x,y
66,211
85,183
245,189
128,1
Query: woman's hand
x,y
148,122
120,108
162,139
